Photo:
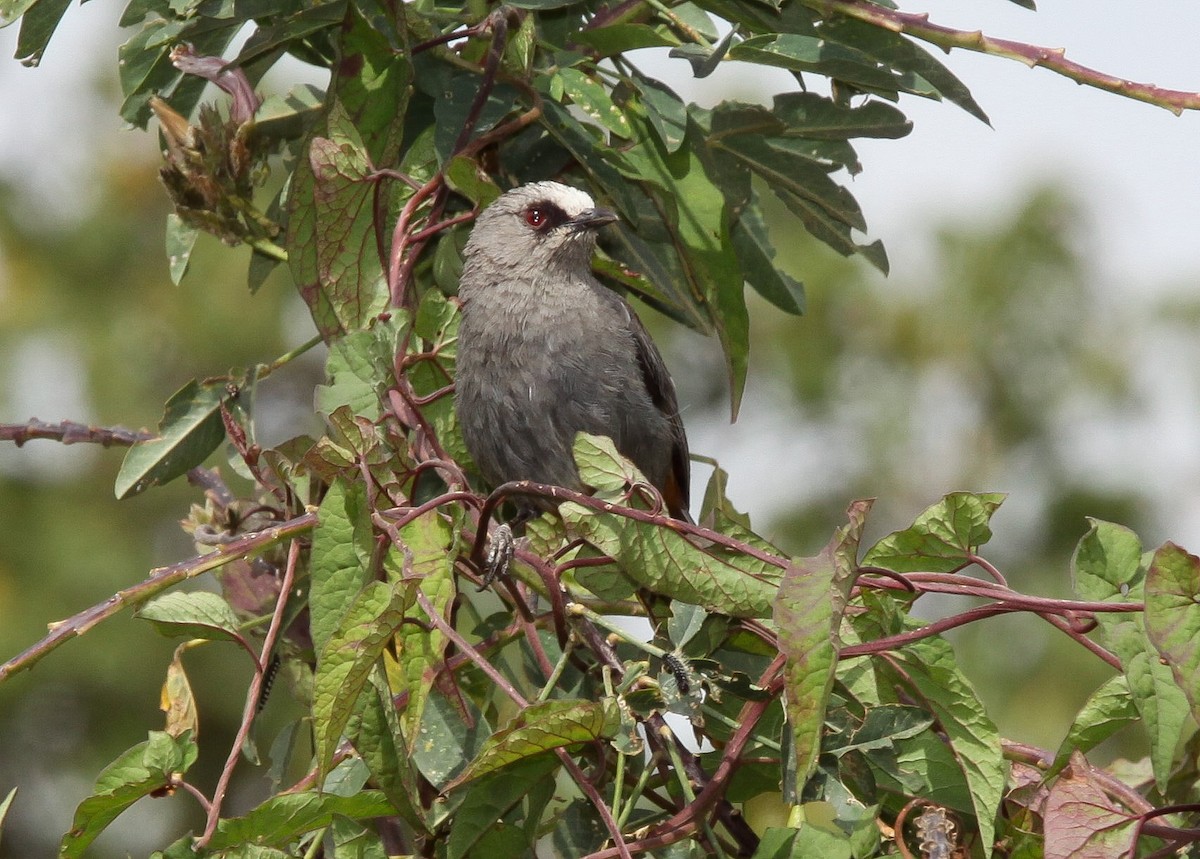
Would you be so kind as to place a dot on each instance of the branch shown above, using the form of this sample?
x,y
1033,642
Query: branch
x,y
158,581
918,26
72,432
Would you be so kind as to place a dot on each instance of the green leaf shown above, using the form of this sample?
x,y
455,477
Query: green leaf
x,y
448,738
659,558
787,170
375,732
543,5
781,843
502,803
181,238
693,212
756,254
807,612
343,543
916,70
146,69
436,323
425,559
1172,618
685,621
285,29
930,670
374,42
199,614
38,24
704,60
5,805
619,38
345,661
11,10
137,772
807,114
591,97
466,177
286,116
189,431
1110,708
940,540
357,370
283,817
331,241
805,53
455,101
539,728
1107,567
833,231
665,110
883,727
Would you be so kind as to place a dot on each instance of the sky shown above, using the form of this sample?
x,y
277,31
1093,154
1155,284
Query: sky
x,y
1133,165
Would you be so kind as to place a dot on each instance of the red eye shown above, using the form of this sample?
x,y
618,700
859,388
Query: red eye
x,y
535,217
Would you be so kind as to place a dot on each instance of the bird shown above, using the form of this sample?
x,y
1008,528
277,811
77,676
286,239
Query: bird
x,y
546,351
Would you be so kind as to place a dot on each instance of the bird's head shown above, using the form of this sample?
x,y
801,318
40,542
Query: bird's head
x,y
540,225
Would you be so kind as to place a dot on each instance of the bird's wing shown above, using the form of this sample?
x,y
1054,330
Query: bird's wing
x,y
662,393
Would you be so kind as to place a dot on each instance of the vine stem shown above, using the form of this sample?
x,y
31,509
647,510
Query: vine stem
x,y
253,695
919,26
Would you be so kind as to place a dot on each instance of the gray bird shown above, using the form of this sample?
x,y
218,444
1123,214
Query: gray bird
x,y
545,351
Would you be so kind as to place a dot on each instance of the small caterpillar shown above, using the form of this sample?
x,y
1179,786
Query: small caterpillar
x,y
679,668
268,681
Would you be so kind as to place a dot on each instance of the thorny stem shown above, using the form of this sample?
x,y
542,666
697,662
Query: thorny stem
x,y
72,432
253,694
159,580
1054,59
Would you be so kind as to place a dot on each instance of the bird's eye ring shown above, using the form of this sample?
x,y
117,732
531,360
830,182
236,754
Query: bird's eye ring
x,y
535,217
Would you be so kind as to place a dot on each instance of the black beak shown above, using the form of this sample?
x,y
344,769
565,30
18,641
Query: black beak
x,y
591,219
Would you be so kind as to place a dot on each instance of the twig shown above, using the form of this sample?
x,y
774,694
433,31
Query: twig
x,y
159,580
72,432
1054,59
252,695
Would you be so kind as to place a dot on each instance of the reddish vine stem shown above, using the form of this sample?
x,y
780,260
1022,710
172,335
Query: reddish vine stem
x,y
1169,833
559,493
252,695
1054,59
